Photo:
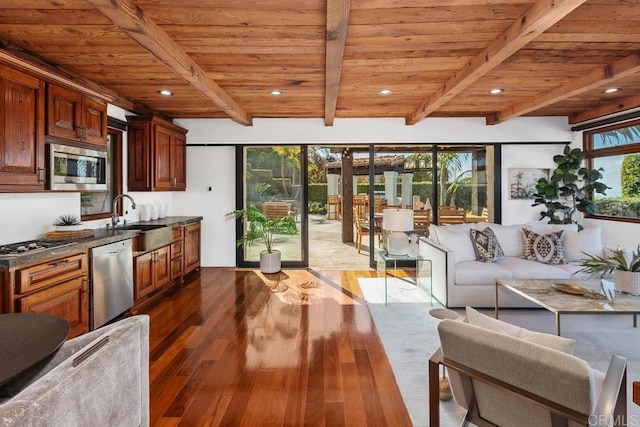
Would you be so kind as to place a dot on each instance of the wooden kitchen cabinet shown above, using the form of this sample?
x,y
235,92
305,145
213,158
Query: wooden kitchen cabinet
x,y
156,155
22,133
191,247
67,299
176,252
152,271
59,287
76,117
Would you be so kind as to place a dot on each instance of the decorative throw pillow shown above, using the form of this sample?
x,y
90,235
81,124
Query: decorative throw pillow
x,y
545,248
551,341
486,245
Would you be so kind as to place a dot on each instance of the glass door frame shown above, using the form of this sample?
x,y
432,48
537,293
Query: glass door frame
x,y
303,209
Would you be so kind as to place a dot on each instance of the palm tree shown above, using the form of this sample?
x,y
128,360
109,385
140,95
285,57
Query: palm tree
x,y
450,164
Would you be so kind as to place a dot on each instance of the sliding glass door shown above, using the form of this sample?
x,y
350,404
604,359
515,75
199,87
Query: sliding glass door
x,y
274,181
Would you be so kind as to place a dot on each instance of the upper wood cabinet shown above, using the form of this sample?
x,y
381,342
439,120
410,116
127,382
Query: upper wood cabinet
x,y
21,132
76,117
156,155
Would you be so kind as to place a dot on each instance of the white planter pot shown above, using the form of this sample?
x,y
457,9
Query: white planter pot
x,y
270,262
627,281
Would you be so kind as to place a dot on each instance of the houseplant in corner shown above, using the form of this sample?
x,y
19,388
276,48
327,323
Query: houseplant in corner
x,y
569,189
625,266
262,229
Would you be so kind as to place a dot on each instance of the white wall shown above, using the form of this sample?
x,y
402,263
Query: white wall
x,y
297,131
211,167
217,164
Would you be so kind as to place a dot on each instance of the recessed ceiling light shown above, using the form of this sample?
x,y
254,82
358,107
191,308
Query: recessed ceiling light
x,y
275,92
496,91
611,90
385,92
165,92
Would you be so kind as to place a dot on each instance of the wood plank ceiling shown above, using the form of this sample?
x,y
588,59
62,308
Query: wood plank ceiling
x,y
330,58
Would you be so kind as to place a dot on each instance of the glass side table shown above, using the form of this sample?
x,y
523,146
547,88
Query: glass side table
x,y
419,261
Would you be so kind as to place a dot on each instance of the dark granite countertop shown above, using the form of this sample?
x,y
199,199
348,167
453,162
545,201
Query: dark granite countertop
x,y
101,236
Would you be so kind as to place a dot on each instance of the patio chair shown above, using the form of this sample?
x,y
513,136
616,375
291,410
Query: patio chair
x,y
363,227
451,215
334,201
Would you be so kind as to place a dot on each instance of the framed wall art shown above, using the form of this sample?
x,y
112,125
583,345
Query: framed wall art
x,y
522,181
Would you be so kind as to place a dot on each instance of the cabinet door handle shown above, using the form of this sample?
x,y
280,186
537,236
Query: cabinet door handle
x,y
41,176
58,263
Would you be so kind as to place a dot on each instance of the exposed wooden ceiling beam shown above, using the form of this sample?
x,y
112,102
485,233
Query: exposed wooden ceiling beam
x,y
533,22
615,107
616,70
337,23
133,22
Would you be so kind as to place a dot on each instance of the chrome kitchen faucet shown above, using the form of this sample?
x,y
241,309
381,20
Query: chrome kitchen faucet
x,y
115,219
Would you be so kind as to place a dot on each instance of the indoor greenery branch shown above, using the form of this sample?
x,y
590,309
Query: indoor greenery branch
x,y
261,228
569,189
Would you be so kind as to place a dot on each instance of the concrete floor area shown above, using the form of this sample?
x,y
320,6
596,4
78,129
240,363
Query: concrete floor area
x,y
326,250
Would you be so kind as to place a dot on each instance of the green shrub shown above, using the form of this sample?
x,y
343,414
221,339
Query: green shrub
x,y
628,207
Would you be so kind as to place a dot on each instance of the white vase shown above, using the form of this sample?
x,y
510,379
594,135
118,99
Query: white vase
x,y
627,281
270,262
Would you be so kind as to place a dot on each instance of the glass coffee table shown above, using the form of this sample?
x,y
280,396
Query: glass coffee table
x,y
541,292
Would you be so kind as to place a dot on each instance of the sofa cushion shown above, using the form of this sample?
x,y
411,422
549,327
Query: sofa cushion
x,y
555,342
480,273
525,269
545,248
434,230
510,238
546,228
486,245
457,239
577,243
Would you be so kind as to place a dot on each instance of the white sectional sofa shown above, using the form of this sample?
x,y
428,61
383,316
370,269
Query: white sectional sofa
x,y
458,279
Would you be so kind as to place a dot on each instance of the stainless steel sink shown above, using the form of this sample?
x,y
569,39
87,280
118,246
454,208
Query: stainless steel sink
x,y
150,236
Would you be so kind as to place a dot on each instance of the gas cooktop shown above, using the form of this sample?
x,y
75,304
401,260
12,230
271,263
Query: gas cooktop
x,y
31,246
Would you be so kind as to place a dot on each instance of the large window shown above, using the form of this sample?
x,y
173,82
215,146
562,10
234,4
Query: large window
x,y
616,149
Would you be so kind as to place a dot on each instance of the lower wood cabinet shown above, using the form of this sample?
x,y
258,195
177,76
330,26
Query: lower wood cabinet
x,y
176,252
191,247
59,287
152,271
67,299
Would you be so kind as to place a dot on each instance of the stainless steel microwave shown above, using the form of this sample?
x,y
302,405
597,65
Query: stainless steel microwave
x,y
73,168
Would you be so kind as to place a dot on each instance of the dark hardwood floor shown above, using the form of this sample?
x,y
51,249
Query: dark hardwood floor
x,y
235,347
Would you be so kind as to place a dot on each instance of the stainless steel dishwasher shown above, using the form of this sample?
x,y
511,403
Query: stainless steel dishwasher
x,y
111,281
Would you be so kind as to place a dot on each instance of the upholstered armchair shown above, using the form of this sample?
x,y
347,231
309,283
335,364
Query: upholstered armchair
x,y
97,379
509,380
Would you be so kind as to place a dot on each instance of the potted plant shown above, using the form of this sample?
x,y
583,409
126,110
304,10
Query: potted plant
x,y
624,265
68,222
569,189
262,229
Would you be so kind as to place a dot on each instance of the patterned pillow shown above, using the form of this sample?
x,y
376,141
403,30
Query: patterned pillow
x,y
545,248
486,245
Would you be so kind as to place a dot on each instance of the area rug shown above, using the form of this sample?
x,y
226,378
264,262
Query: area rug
x,y
399,290
409,337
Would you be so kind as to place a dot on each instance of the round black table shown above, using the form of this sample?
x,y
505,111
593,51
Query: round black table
x,y
28,338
